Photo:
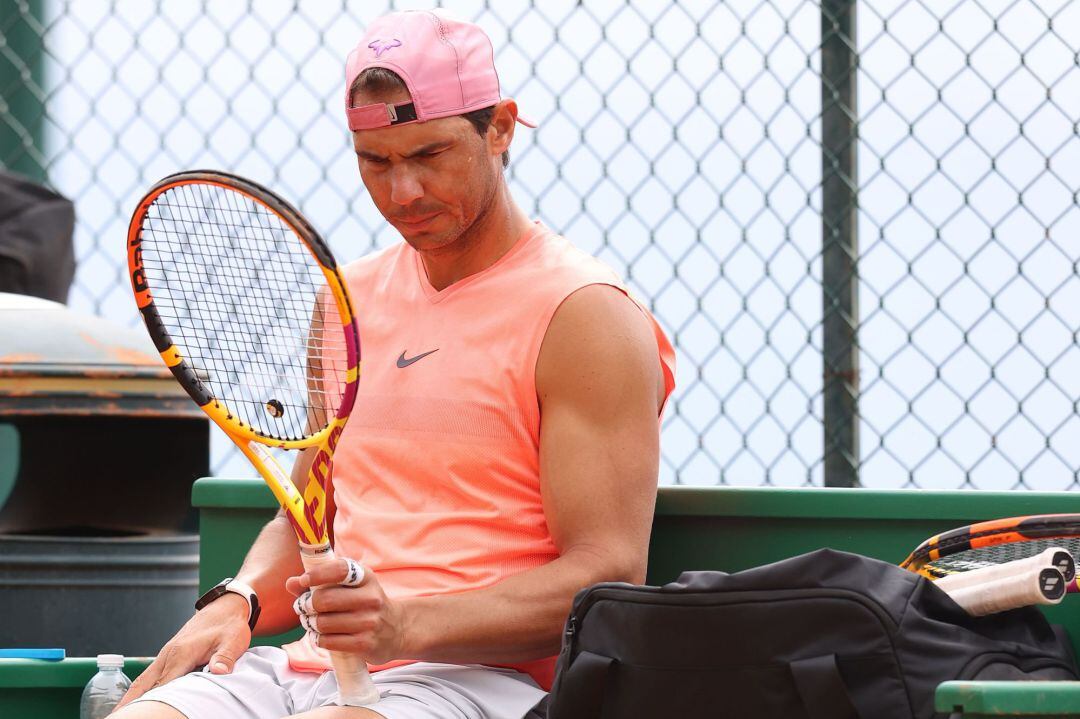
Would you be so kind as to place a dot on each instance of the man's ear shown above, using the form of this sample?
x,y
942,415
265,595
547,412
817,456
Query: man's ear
x,y
500,132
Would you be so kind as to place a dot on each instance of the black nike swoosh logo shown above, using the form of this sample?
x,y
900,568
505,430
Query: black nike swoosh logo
x,y
402,363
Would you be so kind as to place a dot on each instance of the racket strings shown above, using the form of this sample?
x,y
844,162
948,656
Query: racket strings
x,y
258,355
233,258
248,308
999,554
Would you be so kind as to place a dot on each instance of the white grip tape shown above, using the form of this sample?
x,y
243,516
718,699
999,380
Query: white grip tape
x,y
1034,585
355,688
1052,557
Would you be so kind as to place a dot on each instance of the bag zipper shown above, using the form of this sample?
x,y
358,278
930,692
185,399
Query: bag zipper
x,y
660,596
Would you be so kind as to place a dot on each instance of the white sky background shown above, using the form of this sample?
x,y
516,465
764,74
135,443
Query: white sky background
x,y
662,119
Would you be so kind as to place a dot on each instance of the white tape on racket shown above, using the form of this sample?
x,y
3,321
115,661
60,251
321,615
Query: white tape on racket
x,y
354,683
355,575
1052,557
1035,585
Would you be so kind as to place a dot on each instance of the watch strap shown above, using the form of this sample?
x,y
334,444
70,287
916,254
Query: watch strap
x,y
230,585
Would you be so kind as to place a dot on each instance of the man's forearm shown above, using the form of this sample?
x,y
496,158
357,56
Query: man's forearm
x,y
272,559
516,620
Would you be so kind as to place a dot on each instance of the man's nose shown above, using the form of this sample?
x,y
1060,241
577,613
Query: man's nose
x,y
405,186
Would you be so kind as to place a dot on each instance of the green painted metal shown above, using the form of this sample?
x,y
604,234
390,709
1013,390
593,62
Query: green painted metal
x,y
1009,699
867,504
21,92
37,689
69,673
213,493
231,513
839,242
9,460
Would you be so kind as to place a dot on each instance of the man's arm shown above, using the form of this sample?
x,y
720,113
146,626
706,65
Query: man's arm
x,y
218,634
273,558
600,386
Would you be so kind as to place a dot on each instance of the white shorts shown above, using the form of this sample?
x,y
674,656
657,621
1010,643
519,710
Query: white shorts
x,y
264,686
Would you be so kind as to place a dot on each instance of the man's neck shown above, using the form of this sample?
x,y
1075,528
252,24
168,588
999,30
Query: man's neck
x,y
488,239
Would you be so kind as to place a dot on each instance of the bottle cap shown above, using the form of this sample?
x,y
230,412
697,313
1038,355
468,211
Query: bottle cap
x,y
110,660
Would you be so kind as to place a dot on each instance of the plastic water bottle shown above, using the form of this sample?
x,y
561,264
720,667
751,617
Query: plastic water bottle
x,y
105,689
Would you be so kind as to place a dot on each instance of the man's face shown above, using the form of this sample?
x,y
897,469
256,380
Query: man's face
x,y
430,180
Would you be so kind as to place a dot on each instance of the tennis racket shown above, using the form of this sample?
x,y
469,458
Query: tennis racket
x,y
995,542
1015,546
246,305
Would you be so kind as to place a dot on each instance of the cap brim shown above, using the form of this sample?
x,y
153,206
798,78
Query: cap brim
x,y
526,121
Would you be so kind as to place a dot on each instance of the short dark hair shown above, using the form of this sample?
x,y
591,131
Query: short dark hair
x,y
378,80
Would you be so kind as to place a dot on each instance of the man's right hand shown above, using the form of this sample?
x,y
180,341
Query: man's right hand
x,y
216,636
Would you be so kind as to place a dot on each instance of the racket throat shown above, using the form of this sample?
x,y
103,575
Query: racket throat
x,y
284,491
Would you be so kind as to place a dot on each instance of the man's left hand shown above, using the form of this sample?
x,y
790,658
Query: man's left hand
x,y
359,619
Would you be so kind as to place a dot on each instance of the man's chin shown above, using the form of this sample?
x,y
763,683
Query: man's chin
x,y
427,241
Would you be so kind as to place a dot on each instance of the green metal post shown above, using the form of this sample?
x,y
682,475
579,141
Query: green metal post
x,y
22,108
840,242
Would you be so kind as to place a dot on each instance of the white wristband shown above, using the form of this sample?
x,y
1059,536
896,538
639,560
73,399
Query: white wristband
x,y
244,590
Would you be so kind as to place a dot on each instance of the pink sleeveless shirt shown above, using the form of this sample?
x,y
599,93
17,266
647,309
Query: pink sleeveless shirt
x,y
437,473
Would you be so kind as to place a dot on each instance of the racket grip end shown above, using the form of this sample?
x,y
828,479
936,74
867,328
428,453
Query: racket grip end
x,y
355,688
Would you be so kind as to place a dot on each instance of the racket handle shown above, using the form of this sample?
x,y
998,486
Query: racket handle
x,y
1052,557
355,687
1035,585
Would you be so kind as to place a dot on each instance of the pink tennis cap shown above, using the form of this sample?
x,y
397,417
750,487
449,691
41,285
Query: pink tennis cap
x,y
447,64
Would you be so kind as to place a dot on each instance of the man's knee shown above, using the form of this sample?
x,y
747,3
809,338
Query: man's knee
x,y
147,710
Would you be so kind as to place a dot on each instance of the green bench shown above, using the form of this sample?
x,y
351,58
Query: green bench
x,y
726,528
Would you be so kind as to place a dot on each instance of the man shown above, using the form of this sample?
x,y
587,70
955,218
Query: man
x,y
504,448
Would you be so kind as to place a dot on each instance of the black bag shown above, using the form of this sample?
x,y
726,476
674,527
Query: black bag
x,y
826,635
37,256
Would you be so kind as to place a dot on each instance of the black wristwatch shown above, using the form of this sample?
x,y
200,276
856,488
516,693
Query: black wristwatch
x,y
231,585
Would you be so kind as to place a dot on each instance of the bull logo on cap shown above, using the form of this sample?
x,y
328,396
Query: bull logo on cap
x,y
380,46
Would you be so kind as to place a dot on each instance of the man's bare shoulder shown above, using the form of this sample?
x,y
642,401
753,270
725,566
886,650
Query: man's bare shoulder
x,y
600,344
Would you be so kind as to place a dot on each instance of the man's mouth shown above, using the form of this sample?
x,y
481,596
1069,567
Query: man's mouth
x,y
417,220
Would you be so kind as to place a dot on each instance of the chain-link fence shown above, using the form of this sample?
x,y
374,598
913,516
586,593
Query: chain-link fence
x,y
858,222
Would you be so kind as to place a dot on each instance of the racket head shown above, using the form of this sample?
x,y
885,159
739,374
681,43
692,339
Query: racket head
x,y
994,542
246,304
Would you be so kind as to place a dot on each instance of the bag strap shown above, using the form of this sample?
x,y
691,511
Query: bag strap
x,y
822,689
581,693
